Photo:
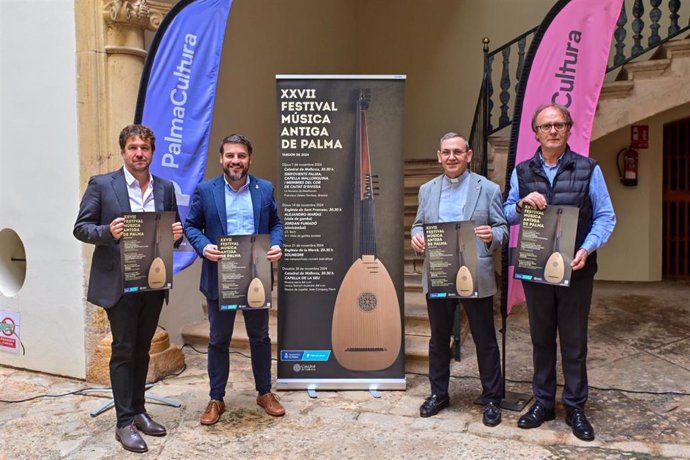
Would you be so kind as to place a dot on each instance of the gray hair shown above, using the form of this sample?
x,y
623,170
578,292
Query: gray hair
x,y
453,135
561,108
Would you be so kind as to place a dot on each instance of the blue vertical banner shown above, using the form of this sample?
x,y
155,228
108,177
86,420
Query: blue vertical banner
x,y
176,97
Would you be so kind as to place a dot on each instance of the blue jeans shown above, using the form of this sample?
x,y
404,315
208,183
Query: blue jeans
x,y
222,324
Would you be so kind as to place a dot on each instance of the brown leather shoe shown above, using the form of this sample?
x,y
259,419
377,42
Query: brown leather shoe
x,y
212,413
270,403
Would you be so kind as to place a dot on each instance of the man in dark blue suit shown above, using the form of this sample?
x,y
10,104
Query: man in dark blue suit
x,y
234,203
133,317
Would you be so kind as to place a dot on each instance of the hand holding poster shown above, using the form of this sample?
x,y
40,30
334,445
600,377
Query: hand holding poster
x,y
451,258
147,245
244,273
546,245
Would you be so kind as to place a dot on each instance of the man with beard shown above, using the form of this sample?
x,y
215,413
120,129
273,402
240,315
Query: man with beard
x,y
234,203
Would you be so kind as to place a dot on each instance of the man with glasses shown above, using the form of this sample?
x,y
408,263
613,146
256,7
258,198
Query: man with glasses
x,y
556,175
461,195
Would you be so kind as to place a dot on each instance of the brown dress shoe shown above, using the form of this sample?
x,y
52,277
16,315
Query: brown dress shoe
x,y
270,403
212,413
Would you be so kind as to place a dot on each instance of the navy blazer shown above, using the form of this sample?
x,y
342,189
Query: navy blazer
x,y
105,199
207,221
483,206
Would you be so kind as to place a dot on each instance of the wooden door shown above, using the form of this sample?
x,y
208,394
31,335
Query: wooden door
x,y
676,226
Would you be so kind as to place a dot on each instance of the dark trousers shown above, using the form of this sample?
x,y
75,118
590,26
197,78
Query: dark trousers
x,y
562,310
133,321
222,325
481,318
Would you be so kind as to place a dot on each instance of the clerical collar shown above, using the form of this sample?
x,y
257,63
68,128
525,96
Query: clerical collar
x,y
455,180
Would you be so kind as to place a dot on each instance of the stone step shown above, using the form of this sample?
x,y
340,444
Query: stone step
x,y
416,328
644,69
425,166
412,183
673,48
417,172
416,323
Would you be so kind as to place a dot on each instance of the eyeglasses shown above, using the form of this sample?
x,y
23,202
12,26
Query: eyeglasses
x,y
455,153
545,128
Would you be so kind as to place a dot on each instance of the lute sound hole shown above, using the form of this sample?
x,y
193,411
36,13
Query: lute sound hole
x,y
367,301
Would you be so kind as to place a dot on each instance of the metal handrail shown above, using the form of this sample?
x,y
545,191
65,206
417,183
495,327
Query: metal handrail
x,y
482,126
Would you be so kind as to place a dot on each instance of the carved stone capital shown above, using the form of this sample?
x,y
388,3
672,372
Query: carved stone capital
x,y
141,14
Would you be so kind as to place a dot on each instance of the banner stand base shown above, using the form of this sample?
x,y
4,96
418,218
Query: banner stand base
x,y
515,401
111,402
314,385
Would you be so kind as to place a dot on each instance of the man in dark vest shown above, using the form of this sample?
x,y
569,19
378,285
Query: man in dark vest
x,y
556,175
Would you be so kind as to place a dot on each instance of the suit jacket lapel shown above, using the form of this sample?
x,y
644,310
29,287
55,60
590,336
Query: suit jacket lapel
x,y
255,192
472,196
120,189
219,198
158,195
435,198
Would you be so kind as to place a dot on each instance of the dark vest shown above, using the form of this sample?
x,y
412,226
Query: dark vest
x,y
570,186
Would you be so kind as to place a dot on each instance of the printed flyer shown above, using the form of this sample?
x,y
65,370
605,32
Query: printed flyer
x,y
451,260
146,249
546,245
244,272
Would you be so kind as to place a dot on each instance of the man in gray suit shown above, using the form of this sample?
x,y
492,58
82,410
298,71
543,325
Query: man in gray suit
x,y
133,317
461,195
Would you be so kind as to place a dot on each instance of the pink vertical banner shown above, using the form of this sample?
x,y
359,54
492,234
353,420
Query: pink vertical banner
x,y
565,64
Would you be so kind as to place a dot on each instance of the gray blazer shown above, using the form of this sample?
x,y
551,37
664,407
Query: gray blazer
x,y
484,207
105,199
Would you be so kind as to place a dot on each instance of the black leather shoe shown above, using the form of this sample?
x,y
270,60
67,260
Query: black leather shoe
x,y
536,415
130,439
582,429
433,404
147,425
492,414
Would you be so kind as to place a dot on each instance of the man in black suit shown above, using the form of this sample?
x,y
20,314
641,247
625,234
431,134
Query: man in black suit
x,y
133,317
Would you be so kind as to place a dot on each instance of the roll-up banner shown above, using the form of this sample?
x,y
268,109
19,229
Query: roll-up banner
x,y
176,96
565,64
340,290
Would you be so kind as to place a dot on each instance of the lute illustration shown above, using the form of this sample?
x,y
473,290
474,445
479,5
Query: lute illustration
x,y
464,285
366,332
554,271
157,272
256,294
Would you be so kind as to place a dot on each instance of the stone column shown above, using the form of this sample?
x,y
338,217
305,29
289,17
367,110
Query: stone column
x,y
110,58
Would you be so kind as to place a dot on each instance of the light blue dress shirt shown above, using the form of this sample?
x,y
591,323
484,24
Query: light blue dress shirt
x,y
603,217
239,210
451,208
